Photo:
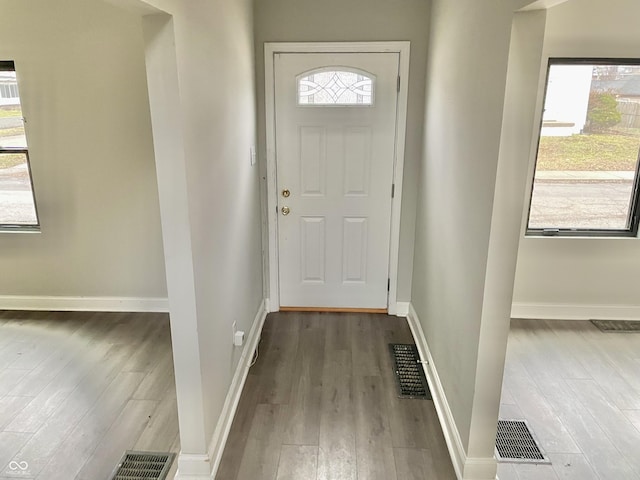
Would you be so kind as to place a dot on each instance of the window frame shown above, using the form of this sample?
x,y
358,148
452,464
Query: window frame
x,y
9,66
633,218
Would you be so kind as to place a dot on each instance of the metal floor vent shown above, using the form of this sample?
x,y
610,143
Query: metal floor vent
x,y
515,443
143,466
409,372
621,326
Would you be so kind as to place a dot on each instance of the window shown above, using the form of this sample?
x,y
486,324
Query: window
x,y
331,87
17,201
586,175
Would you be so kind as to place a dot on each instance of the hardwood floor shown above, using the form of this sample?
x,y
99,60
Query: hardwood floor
x,y
579,390
78,389
320,403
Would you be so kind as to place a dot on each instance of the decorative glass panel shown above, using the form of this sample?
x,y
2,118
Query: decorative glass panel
x,y
331,87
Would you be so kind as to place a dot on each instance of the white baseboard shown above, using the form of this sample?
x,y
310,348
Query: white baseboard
x,y
449,428
82,304
221,433
402,309
205,467
562,311
466,468
268,305
194,467
480,469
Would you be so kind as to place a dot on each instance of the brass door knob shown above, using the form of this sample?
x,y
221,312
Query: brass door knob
x,y
286,211
286,193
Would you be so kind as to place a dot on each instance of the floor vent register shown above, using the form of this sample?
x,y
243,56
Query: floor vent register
x,y
515,443
408,371
143,466
620,326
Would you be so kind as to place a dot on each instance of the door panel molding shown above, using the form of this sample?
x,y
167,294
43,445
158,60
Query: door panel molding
x,y
270,49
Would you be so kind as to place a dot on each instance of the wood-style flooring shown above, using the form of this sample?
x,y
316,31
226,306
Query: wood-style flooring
x,y
579,390
78,389
320,404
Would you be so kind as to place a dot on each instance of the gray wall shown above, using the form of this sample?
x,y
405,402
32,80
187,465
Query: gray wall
x,y
214,44
84,93
467,229
357,20
202,96
569,276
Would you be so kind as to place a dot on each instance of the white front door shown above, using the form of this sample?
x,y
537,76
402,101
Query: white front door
x,y
335,143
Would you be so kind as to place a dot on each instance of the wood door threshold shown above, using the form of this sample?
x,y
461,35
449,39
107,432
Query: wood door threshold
x,y
334,310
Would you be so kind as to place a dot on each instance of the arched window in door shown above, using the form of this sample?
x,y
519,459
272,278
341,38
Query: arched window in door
x,y
336,86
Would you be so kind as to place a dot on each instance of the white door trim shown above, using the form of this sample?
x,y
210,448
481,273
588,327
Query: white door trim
x,y
403,49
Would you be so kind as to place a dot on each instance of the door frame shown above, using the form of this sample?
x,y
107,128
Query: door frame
x,y
270,49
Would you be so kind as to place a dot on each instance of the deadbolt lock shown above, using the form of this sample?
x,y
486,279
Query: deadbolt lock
x,y
286,211
286,193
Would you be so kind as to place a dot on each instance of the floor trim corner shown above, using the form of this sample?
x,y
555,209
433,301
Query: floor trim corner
x,y
402,309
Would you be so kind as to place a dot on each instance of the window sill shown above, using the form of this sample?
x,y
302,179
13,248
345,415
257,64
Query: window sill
x,y
580,236
21,229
